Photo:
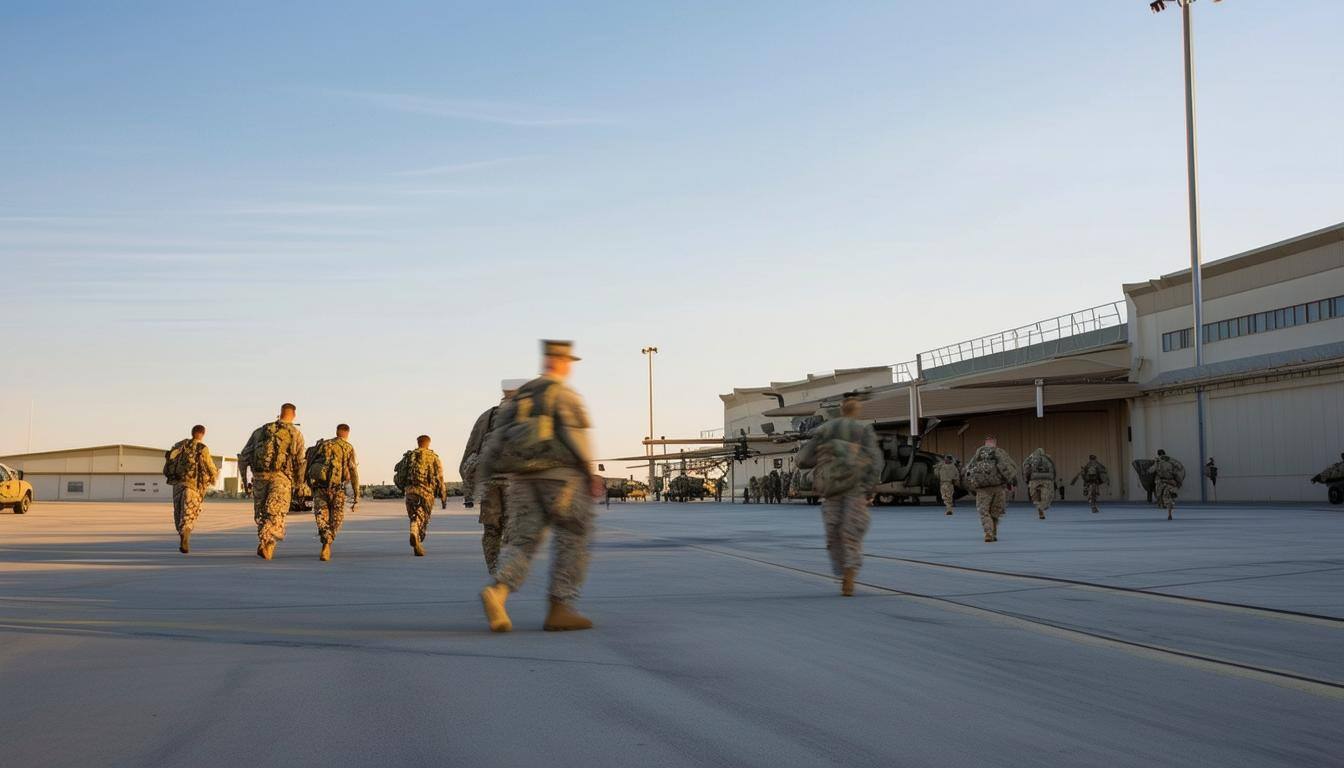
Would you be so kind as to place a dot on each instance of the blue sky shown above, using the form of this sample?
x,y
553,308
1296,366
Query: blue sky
x,y
376,210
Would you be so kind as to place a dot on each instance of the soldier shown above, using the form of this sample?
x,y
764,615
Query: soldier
x,y
846,478
332,464
755,485
1039,472
775,496
1094,475
991,473
1168,476
746,493
492,512
947,473
189,469
542,443
420,475
274,453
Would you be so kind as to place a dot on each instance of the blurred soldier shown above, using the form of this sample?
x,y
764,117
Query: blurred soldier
x,y
776,496
991,474
1039,472
755,485
847,460
274,453
718,489
493,507
332,464
1094,476
948,474
420,475
189,469
541,442
1168,477
746,493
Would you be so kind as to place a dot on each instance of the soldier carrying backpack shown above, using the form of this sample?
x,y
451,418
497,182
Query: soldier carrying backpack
x,y
990,473
188,467
1093,475
274,454
331,465
1168,477
420,475
1039,472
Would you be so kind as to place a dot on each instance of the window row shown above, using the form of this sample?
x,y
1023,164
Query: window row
x,y
1260,322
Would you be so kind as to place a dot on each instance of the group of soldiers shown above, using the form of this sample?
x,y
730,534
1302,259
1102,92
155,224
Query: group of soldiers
x,y
767,489
526,462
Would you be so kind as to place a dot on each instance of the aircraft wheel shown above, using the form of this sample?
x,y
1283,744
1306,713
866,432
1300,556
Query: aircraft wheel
x,y
1337,494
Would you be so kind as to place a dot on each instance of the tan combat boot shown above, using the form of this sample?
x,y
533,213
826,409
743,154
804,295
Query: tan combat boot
x,y
847,582
325,554
184,542
415,545
493,598
1041,512
562,618
266,550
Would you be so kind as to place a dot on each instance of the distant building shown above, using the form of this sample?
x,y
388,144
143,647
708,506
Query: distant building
x,y
106,473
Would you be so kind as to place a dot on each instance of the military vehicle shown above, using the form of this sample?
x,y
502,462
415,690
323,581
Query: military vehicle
x,y
683,488
1333,478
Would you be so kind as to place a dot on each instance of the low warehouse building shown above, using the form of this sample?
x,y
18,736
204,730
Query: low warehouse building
x,y
106,473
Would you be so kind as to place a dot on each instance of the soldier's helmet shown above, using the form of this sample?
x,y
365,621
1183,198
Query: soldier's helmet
x,y
1161,452
1091,457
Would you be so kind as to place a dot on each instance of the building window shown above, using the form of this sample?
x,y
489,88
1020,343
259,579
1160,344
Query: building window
x,y
1260,322
74,486
1178,339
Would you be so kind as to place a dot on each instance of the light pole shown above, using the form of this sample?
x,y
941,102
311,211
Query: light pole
x,y
650,352
1192,187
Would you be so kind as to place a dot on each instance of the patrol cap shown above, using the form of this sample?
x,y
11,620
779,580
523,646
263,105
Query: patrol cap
x,y
511,385
558,348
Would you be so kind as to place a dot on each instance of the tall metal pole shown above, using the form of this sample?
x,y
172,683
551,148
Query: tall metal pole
x,y
1196,268
650,352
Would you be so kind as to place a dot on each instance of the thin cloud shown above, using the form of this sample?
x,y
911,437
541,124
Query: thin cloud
x,y
499,113
451,168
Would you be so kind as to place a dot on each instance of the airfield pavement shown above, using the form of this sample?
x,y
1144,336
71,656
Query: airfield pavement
x,y
1118,639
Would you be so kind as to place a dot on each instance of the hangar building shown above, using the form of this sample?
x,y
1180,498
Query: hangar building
x,y
106,473
1118,380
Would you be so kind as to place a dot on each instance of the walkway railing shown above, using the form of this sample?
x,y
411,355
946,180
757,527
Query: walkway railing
x,y
1094,320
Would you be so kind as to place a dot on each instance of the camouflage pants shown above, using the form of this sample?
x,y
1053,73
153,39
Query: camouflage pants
x,y
846,520
1166,495
990,503
419,507
270,504
948,490
492,519
186,507
1091,491
1041,493
329,511
566,507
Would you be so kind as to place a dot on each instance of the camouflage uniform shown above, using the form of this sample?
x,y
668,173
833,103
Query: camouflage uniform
x,y
1093,475
991,499
271,487
421,492
189,495
557,497
329,502
1167,479
755,485
1039,471
947,474
494,501
845,515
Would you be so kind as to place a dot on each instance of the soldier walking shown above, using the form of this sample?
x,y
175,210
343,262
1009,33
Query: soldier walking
x,y
1168,477
948,474
420,475
331,465
1093,475
274,453
847,459
1039,472
755,485
990,473
493,505
191,471
542,444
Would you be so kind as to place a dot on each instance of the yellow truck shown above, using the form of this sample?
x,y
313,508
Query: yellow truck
x,y
15,492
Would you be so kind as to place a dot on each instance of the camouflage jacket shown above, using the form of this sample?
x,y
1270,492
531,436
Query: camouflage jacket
x,y
1038,466
848,430
1092,472
349,465
946,472
1007,468
436,485
571,426
480,432
293,460
206,475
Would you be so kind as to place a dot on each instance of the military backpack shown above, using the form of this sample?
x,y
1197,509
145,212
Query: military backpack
x,y
326,464
1093,473
1038,468
531,443
179,462
842,464
984,471
271,449
415,469
1170,471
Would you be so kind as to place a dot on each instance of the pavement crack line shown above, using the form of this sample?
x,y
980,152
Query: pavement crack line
x,y
1323,688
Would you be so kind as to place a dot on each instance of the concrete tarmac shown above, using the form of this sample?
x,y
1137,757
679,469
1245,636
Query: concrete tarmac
x,y
1117,639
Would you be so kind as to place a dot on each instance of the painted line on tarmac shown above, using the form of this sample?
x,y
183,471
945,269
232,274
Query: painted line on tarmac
x,y
1277,613
1282,678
